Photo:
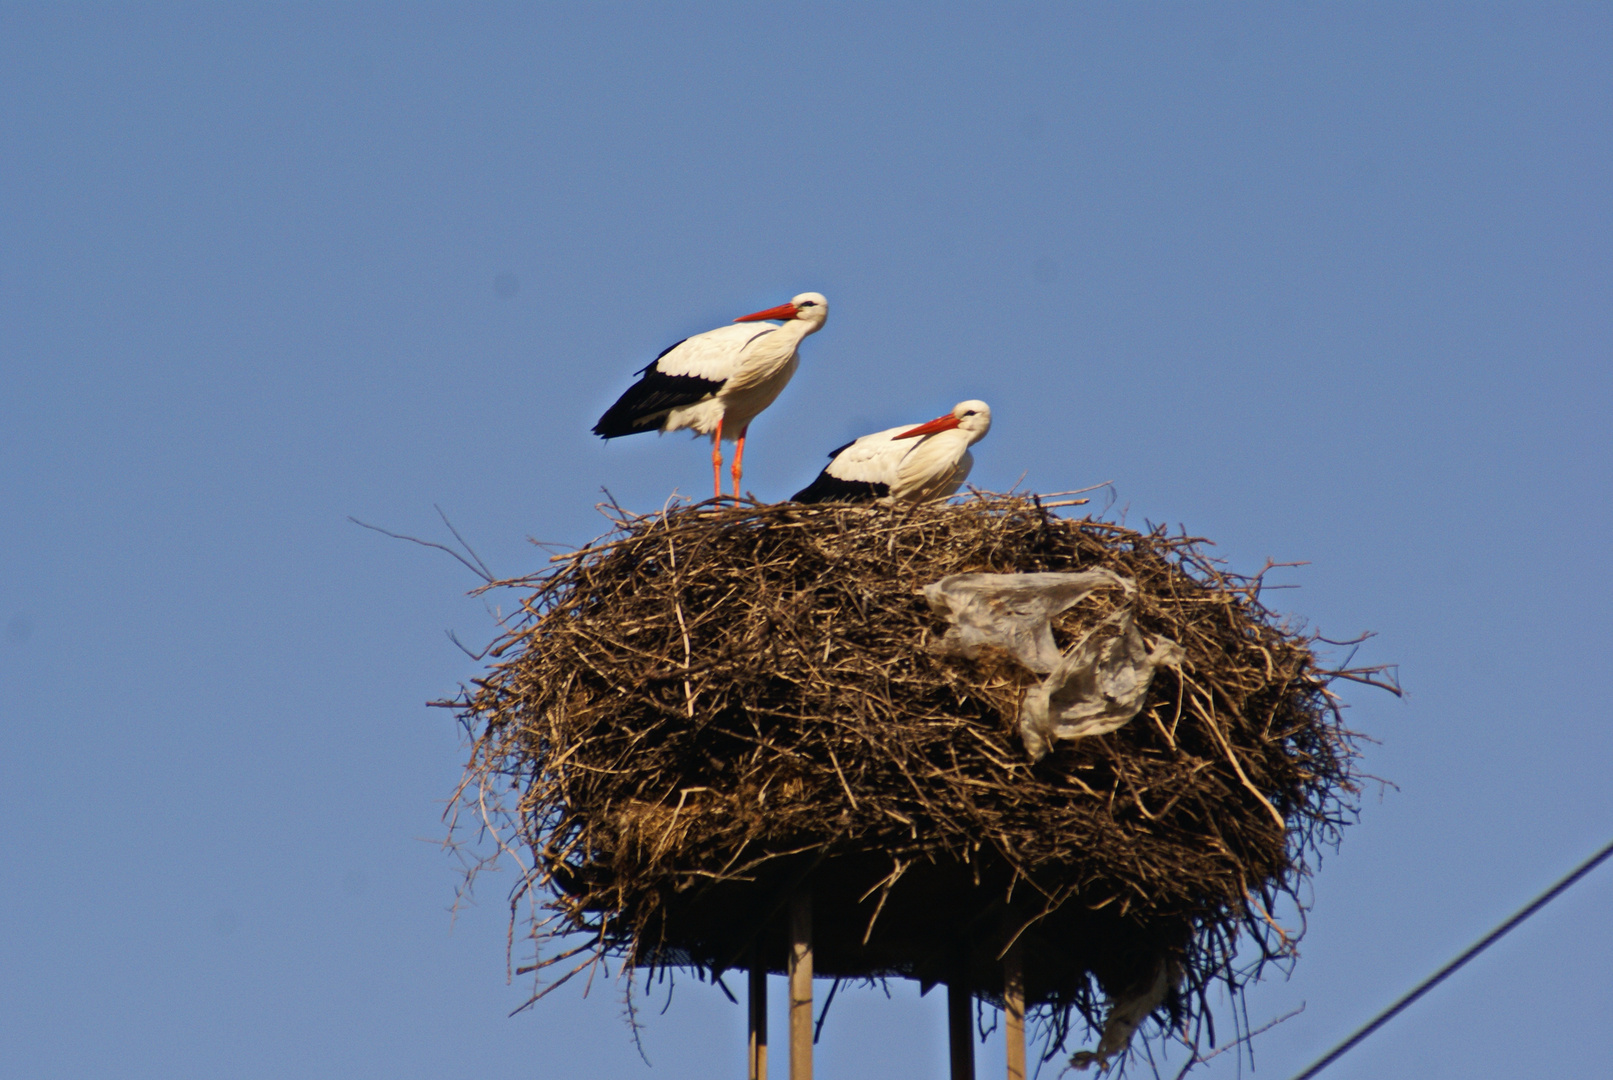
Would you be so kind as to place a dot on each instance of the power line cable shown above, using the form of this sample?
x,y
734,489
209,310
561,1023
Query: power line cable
x,y
1439,976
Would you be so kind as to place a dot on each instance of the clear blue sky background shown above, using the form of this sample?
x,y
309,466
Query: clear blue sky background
x,y
1324,283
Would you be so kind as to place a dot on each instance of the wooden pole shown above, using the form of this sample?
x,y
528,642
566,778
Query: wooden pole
x,y
801,986
960,1031
1014,1009
756,1066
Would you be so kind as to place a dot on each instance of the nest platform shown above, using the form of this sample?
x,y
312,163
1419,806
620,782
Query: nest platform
x,y
719,706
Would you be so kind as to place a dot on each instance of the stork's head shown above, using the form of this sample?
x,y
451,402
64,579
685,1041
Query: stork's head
x,y
809,307
973,418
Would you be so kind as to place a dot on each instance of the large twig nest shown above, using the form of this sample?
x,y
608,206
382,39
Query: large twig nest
x,y
719,705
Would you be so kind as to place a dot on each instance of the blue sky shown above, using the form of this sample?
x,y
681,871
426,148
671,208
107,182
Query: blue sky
x,y
1322,283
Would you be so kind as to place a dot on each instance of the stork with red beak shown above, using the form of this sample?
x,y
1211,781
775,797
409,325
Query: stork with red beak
x,y
904,464
717,382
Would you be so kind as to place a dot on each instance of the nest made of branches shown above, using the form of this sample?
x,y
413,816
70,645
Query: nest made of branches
x,y
719,706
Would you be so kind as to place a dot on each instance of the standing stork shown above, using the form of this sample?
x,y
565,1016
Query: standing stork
x,y
885,465
717,382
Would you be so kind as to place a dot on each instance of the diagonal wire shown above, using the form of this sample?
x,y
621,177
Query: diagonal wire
x,y
1439,976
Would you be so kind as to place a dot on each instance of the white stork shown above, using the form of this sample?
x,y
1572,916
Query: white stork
x,y
718,381
885,465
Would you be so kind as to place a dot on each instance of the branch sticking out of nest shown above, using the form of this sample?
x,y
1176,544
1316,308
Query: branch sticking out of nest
x,y
718,705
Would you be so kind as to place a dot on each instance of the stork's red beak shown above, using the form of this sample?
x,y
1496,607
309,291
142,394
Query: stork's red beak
x,y
783,311
940,423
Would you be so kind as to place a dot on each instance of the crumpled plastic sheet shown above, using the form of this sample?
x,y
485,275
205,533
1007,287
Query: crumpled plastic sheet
x,y
1013,611
1095,687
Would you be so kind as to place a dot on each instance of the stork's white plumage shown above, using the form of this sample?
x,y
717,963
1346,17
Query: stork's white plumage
x,y
717,382
904,464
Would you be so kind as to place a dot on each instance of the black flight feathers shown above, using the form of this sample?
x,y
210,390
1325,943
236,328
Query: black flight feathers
x,y
646,403
828,488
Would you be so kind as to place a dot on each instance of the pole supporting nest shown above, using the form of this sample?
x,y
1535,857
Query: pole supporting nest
x,y
756,1051
1014,1009
801,986
960,1030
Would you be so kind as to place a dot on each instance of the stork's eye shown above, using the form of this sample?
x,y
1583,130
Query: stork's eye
x,y
807,303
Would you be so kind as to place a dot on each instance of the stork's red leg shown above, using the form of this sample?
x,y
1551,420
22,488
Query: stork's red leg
x,y
739,456
716,460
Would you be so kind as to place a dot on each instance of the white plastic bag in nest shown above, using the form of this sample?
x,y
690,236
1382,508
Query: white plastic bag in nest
x,y
1094,687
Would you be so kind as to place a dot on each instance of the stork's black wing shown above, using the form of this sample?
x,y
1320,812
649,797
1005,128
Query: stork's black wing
x,y
646,403
828,488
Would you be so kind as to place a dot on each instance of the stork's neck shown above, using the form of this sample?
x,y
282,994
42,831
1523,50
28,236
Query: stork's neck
x,y
796,329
